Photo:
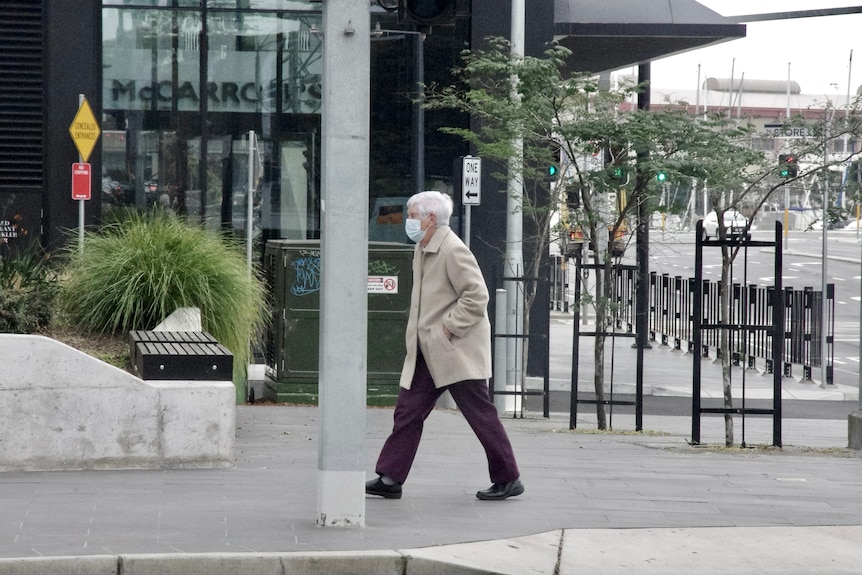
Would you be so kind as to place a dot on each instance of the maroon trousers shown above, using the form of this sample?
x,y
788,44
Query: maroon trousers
x,y
415,404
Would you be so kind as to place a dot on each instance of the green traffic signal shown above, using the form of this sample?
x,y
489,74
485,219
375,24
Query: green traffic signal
x,y
661,177
552,171
788,166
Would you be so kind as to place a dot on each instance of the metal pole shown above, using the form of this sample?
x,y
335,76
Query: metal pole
x,y
854,420
786,188
249,199
824,278
341,460
514,223
697,98
499,352
786,214
80,202
565,281
642,244
419,116
846,134
576,343
467,216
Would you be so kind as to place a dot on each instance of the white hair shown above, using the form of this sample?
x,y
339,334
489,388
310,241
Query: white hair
x,y
431,202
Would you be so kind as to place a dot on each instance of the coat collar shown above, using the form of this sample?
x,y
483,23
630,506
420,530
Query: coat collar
x,y
437,239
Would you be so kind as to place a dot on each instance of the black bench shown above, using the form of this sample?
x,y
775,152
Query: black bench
x,y
192,355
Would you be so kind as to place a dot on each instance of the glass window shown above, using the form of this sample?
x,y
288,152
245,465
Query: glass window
x,y
265,4
301,5
263,63
183,88
151,60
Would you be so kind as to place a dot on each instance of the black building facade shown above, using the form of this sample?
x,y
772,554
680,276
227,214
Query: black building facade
x,y
178,85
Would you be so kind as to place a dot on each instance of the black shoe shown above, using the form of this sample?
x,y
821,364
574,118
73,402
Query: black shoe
x,y
500,491
377,487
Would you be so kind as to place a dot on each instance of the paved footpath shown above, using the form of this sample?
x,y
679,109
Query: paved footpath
x,y
594,503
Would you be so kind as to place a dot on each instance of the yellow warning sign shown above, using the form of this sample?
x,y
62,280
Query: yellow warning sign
x,y
85,130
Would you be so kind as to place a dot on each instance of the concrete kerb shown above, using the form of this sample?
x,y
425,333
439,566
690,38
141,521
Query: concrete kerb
x,y
484,558
740,550
330,563
84,565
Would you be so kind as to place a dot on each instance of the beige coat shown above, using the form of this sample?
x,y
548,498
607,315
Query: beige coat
x,y
448,290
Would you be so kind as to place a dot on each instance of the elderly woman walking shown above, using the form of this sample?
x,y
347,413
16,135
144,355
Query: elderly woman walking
x,y
448,349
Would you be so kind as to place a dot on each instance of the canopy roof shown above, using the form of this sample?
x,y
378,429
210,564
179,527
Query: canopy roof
x,y
613,34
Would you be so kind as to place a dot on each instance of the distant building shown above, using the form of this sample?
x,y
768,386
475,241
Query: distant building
x,y
766,103
769,105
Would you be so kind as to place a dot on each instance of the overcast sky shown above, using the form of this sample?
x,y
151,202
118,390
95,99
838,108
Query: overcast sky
x,y
818,49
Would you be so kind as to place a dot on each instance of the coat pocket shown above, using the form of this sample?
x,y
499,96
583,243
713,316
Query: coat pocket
x,y
445,341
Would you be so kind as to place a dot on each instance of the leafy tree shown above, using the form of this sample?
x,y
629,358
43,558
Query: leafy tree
x,y
753,186
606,150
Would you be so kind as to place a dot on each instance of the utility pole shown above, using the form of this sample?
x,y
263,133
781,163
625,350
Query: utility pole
x,y
344,264
824,261
514,229
642,257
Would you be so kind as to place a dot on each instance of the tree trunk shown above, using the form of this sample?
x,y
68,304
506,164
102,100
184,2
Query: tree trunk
x,y
725,296
601,307
599,376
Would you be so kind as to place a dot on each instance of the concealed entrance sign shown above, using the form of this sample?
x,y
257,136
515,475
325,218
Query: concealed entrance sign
x,y
85,130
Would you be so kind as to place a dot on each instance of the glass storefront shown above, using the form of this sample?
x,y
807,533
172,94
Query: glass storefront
x,y
184,82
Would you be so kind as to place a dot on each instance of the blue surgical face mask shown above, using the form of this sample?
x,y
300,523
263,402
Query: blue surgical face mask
x,y
413,228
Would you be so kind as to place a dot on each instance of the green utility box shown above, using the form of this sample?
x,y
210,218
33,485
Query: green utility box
x,y
292,268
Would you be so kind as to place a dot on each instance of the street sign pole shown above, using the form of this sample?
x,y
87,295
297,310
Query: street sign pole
x,y
80,202
249,212
85,133
467,210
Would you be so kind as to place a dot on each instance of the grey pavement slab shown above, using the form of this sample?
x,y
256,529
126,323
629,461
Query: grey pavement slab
x,y
741,551
575,482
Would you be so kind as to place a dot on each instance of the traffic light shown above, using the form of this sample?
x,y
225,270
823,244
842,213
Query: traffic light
x,y
574,242
552,172
787,166
661,177
853,174
618,174
426,12
573,199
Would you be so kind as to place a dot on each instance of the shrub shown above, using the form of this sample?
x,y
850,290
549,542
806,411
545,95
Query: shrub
x,y
27,289
133,274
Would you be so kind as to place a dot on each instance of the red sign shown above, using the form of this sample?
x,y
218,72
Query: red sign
x,y
82,181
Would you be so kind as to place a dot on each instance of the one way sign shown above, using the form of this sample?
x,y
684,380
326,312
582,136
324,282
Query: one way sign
x,y
471,181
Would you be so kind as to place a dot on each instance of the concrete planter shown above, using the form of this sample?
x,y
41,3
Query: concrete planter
x,y
64,409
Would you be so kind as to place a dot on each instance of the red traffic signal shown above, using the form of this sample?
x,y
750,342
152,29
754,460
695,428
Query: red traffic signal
x,y
787,166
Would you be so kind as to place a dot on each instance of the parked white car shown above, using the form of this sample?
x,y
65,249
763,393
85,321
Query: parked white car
x,y
734,222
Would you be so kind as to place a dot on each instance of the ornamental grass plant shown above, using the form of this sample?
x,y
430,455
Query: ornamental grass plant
x,y
132,274
28,285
